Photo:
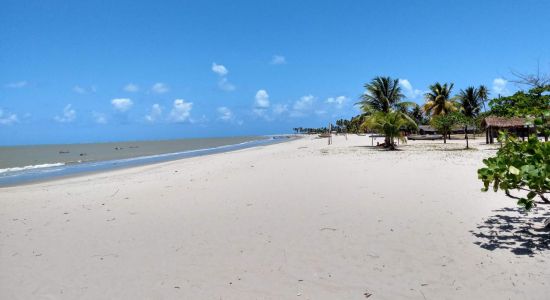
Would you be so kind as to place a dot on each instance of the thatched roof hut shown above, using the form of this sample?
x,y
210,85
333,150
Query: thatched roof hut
x,y
494,124
504,122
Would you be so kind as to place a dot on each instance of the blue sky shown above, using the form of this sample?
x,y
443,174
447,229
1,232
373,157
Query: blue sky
x,y
87,71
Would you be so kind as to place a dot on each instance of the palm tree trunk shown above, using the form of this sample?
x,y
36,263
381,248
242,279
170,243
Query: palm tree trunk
x,y
445,137
466,136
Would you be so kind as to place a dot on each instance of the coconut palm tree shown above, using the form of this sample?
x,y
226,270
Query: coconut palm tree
x,y
383,94
471,101
483,95
389,124
439,100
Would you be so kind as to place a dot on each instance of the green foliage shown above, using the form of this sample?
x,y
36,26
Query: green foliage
x,y
439,100
471,100
417,115
522,104
533,104
383,94
389,124
522,166
444,123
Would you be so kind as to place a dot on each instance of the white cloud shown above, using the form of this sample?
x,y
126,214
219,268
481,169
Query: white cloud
x,y
219,69
499,87
160,88
280,108
408,89
278,60
225,114
338,101
99,118
225,85
122,104
69,115
262,99
304,103
155,114
131,88
180,111
16,85
7,118
79,89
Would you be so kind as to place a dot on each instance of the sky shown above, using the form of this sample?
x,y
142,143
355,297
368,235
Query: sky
x,y
94,71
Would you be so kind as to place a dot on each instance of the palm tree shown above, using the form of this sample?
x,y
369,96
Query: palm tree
x,y
390,124
483,94
383,95
438,100
471,100
417,115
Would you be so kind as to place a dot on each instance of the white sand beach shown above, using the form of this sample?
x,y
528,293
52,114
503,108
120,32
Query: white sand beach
x,y
296,220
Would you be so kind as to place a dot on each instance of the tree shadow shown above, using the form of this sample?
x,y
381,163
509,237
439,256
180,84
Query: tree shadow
x,y
516,230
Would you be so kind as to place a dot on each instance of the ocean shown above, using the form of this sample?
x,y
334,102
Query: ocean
x,y
22,164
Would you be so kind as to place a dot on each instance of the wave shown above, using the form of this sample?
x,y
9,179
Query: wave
x,y
31,167
29,173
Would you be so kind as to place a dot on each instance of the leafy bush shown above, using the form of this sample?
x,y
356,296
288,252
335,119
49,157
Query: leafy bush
x,y
521,166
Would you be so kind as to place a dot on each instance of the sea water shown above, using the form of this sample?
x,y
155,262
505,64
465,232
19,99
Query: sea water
x,y
21,164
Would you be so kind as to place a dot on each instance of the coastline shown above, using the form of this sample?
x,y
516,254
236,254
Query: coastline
x,y
53,171
299,219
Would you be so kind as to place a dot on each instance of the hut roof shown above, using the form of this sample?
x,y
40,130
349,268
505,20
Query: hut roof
x,y
504,122
426,128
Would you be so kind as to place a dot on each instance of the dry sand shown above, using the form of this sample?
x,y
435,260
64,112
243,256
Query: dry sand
x,y
298,220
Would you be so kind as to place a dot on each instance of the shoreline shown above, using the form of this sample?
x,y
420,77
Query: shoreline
x,y
56,171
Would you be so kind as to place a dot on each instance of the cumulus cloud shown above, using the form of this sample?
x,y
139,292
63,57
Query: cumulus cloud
x,y
225,114
155,113
408,89
304,103
278,60
160,88
69,115
225,85
499,86
122,104
262,99
7,118
181,110
99,118
131,88
17,85
338,101
219,69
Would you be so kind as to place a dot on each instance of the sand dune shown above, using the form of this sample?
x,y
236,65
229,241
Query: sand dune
x,y
297,220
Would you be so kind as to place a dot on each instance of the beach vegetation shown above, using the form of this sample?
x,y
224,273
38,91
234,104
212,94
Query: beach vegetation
x,y
521,166
533,104
444,123
471,101
384,110
439,100
389,124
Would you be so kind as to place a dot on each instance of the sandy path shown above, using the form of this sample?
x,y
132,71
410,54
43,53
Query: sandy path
x,y
298,220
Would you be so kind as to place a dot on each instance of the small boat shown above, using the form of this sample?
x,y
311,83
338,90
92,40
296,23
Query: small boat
x,y
324,135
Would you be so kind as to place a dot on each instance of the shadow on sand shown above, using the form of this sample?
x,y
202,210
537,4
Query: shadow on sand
x,y
513,229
